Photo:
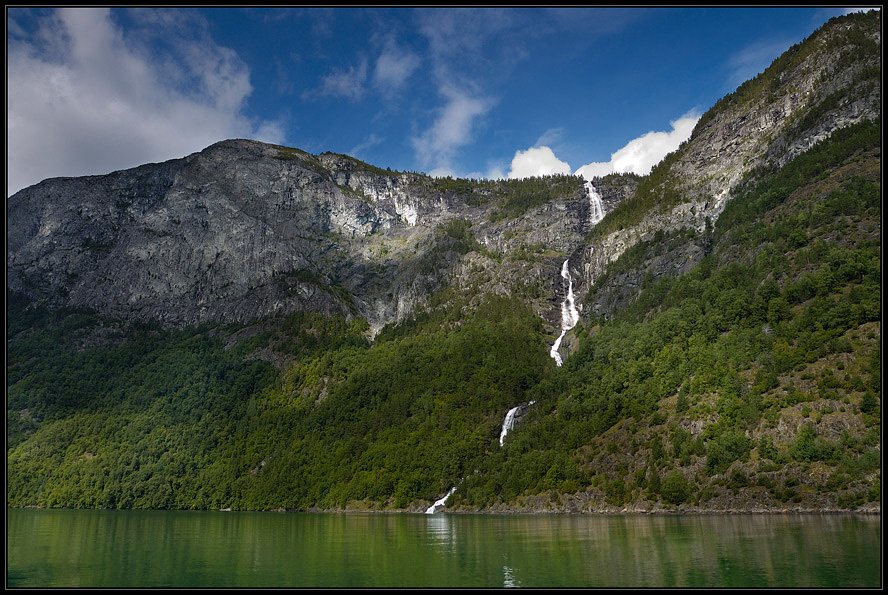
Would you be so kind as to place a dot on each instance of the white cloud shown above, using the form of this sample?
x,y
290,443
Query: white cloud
x,y
469,50
347,83
595,169
475,42
270,131
537,161
477,50
443,172
393,67
224,79
641,154
860,9
451,129
368,143
550,137
83,99
495,172
753,59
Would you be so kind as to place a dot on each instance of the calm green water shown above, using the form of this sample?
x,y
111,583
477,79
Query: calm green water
x,y
177,548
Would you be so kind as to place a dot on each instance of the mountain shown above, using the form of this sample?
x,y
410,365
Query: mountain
x,y
830,81
244,230
256,327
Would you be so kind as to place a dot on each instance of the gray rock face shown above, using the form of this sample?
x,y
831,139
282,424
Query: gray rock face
x,y
244,229
619,288
226,233
615,188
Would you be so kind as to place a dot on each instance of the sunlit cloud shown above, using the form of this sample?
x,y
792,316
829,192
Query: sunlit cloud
x,y
83,98
347,83
451,129
641,154
537,161
466,52
394,67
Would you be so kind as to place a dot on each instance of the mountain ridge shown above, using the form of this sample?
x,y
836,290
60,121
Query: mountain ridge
x,y
345,199
256,327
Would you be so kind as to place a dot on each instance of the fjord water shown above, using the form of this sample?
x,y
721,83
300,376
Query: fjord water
x,y
182,548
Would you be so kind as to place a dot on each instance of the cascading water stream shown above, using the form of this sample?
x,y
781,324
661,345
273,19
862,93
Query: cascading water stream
x,y
509,422
439,504
569,318
569,314
596,207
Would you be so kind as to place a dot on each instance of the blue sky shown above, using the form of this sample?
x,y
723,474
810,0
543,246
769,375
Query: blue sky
x,y
488,92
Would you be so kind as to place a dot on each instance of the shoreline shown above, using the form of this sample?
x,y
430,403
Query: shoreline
x,y
871,511
659,512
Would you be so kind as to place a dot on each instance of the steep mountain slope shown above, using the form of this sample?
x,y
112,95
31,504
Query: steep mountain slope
x,y
243,230
364,333
750,382
830,81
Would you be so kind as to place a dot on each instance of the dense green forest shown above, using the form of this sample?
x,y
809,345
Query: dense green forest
x,y
753,378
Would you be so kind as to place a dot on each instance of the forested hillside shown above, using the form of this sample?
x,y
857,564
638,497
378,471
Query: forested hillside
x,y
312,332
754,380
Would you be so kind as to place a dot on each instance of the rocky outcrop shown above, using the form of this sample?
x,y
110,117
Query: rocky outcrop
x,y
244,229
615,188
665,257
227,233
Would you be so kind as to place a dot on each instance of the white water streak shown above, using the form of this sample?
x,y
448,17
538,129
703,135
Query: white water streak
x,y
569,314
553,353
439,504
596,207
508,423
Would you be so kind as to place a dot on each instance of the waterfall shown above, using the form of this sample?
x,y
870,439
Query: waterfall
x,y
439,504
596,207
569,315
508,423
553,353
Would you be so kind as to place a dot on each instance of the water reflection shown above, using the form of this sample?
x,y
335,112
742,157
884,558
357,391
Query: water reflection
x,y
508,579
440,529
162,549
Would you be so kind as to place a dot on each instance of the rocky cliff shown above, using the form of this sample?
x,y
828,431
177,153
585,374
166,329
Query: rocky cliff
x,y
729,358
243,229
